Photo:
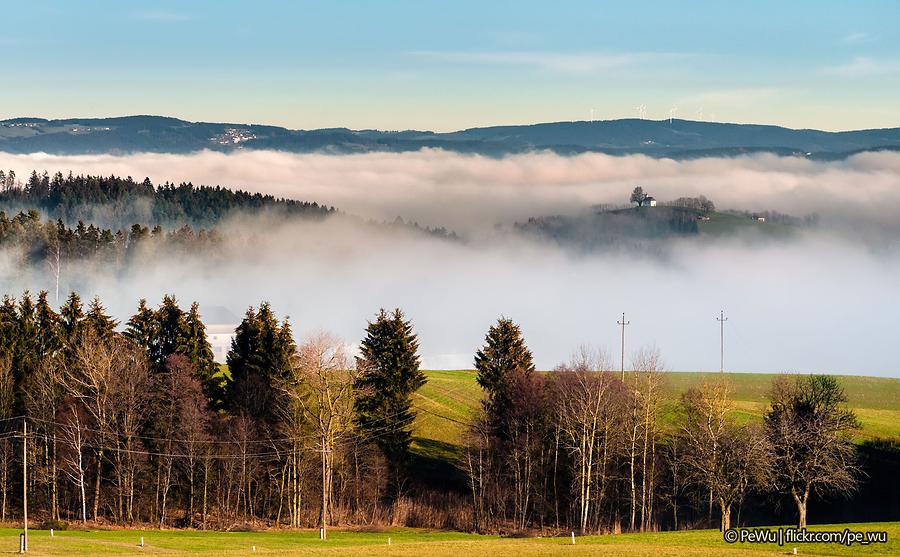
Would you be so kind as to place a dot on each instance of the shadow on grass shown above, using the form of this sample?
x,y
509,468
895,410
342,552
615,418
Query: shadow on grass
x,y
434,465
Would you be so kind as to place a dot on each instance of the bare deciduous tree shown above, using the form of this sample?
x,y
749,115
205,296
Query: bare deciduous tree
x,y
809,427
643,386
723,457
586,406
75,437
90,379
129,386
320,387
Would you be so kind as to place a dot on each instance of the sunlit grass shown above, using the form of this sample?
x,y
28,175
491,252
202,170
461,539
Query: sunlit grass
x,y
418,542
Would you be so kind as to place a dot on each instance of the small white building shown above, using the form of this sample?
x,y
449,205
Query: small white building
x,y
650,201
219,336
220,325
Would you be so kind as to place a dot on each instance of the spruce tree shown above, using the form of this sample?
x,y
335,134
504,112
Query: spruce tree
x,y
47,323
71,321
99,321
142,327
170,331
502,364
26,354
196,347
9,325
261,352
504,352
388,376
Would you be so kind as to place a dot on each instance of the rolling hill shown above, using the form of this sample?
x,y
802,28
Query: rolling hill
x,y
635,226
659,138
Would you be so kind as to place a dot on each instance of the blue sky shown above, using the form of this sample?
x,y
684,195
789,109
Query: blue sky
x,y
450,65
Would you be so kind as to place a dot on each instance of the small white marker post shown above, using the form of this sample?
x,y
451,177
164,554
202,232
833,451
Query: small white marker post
x,y
142,541
254,549
795,551
573,538
51,532
389,541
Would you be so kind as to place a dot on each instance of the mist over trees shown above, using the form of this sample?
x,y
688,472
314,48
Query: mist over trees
x,y
136,423
120,202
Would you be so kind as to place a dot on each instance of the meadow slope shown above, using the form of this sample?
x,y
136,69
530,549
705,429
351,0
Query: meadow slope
x,y
450,397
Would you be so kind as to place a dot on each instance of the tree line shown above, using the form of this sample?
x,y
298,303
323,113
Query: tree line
x,y
136,423
119,202
54,243
581,447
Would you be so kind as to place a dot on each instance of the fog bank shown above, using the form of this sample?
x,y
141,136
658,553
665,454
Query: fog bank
x,y
471,191
822,300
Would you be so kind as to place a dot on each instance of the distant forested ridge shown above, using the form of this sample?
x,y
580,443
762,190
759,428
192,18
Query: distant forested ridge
x,y
682,139
119,202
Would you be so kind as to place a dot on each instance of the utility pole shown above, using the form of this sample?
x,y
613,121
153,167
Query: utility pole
x,y
721,319
25,484
623,323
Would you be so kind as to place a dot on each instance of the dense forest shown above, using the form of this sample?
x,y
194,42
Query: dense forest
x,y
135,423
121,202
110,222
55,242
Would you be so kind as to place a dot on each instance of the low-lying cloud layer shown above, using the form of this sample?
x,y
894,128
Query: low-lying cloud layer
x,y
462,191
823,300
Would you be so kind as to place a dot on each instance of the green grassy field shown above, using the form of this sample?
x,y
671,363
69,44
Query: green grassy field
x,y
408,542
450,397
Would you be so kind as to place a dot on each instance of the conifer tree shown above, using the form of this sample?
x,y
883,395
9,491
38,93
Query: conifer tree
x,y
9,325
261,351
504,366
196,347
71,318
99,321
47,324
170,331
142,327
388,376
25,356
504,352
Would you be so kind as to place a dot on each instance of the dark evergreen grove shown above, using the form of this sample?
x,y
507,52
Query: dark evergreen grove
x,y
119,202
71,225
135,423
